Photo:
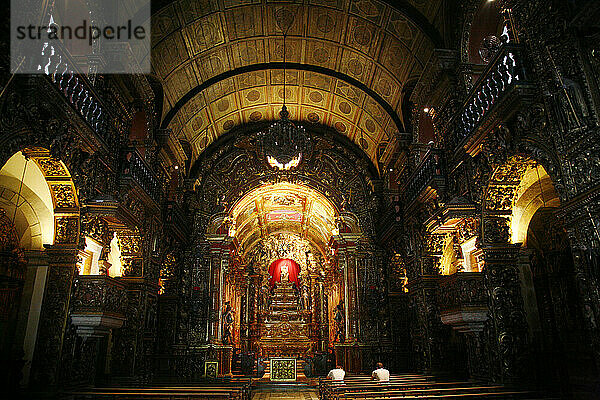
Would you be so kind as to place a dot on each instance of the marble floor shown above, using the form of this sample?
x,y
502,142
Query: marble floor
x,y
286,394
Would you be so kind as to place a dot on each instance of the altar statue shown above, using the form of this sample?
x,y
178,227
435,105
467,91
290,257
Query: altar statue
x,y
305,296
285,273
283,270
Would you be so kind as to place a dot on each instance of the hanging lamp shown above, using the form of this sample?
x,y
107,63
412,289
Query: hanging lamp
x,y
284,143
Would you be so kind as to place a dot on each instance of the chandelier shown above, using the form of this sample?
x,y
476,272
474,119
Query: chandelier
x,y
284,143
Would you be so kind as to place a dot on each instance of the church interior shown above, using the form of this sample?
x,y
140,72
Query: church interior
x,y
302,185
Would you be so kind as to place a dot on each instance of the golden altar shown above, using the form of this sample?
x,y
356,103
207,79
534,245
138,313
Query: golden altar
x,y
285,328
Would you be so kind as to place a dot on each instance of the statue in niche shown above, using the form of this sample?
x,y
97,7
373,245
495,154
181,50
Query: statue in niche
x,y
570,105
285,273
228,323
339,322
264,299
304,297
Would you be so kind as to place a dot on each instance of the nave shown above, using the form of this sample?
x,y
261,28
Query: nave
x,y
263,191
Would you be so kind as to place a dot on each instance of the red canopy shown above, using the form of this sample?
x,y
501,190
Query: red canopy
x,y
275,271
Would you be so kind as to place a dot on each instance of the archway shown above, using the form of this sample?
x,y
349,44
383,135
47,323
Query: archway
x,y
282,234
521,206
39,208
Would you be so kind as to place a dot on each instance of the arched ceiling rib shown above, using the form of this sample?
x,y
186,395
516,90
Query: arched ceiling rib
x,y
369,42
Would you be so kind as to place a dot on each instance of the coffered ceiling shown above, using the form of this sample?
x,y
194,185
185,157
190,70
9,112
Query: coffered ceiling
x,y
220,64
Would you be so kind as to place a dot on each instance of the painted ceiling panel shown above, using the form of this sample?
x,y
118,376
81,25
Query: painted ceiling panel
x,y
283,207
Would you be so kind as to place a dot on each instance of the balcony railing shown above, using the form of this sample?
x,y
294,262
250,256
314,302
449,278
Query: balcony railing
x,y
429,173
462,289
63,72
135,167
505,72
462,300
99,304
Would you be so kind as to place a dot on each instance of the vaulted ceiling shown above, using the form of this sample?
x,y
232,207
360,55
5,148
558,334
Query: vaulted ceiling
x,y
283,207
220,63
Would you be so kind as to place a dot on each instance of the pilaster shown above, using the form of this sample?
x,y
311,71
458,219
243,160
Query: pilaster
x,y
53,316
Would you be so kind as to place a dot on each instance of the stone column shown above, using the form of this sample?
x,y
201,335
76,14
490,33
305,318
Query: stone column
x,y
347,256
348,353
53,317
508,328
30,308
583,228
426,339
215,290
219,261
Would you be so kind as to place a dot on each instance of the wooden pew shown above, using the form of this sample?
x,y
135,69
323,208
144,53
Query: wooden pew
x,y
204,392
364,382
434,390
415,387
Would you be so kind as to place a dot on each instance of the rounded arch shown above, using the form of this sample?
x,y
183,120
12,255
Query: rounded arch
x,y
348,62
516,190
233,167
535,191
283,207
39,193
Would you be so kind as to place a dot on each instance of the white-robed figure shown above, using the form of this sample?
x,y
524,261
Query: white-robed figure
x,y
337,374
285,274
381,374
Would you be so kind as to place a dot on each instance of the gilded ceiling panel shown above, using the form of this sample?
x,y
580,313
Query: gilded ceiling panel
x,y
362,36
372,45
327,23
169,53
357,66
246,52
203,34
368,9
164,22
180,82
189,10
283,207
